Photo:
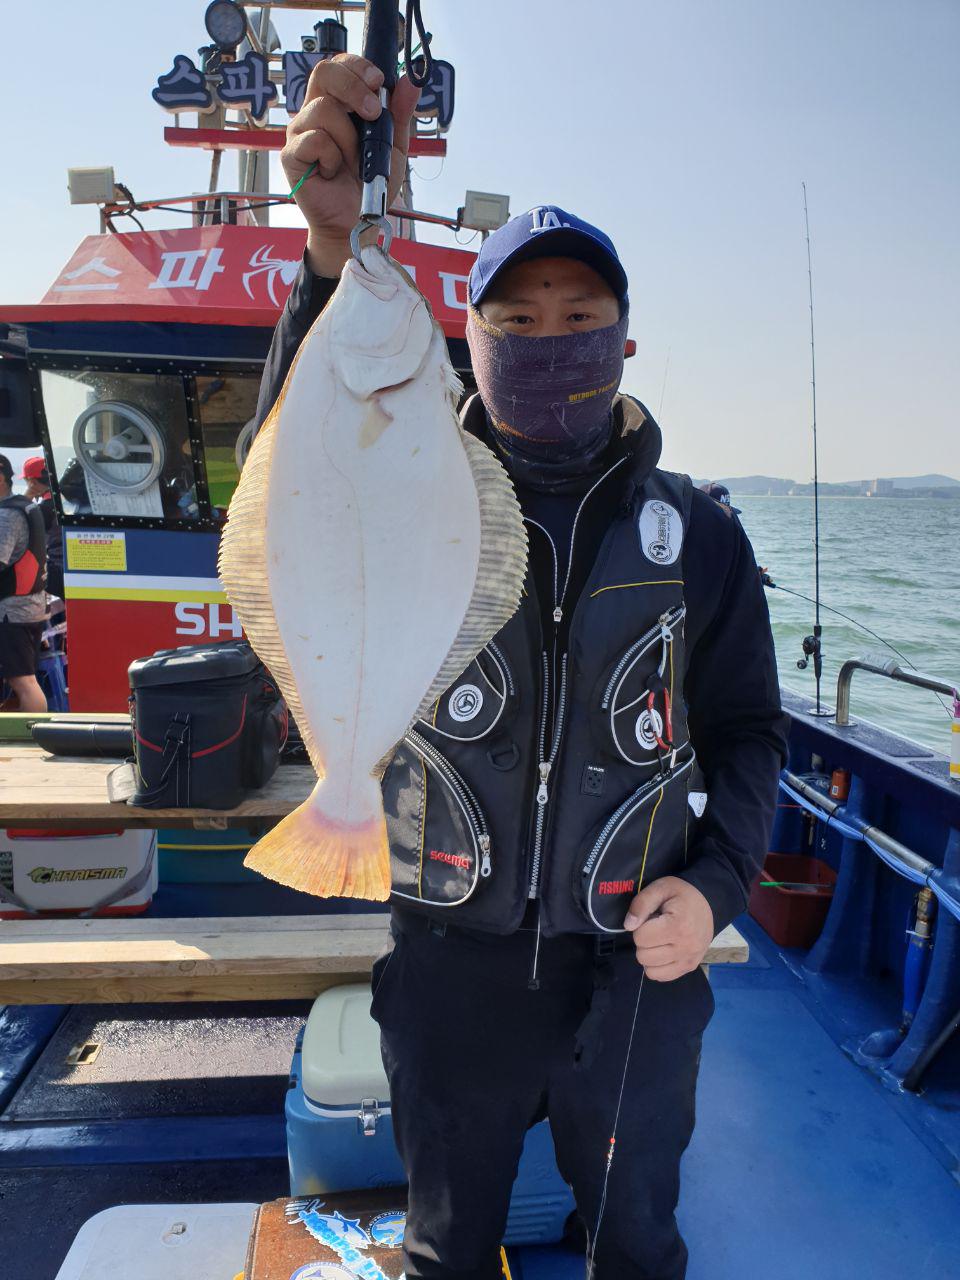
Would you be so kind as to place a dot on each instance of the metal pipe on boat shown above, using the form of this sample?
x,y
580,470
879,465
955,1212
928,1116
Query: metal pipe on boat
x,y
898,857
911,1081
916,964
880,665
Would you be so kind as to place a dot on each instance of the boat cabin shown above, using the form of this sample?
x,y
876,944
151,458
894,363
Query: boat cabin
x,y
137,375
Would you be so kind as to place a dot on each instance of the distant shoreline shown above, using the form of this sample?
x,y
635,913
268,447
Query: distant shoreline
x,y
941,495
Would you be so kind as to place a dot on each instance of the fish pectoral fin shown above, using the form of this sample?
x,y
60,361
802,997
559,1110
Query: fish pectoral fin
x,y
310,851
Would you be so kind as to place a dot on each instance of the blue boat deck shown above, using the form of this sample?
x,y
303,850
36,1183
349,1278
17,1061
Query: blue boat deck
x,y
803,1164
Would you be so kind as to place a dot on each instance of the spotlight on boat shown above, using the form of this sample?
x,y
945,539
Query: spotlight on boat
x,y
226,24
91,186
483,211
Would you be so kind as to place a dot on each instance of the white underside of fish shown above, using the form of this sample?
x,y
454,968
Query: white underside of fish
x,y
372,549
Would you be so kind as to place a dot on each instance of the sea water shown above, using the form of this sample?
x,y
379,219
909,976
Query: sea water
x,y
890,563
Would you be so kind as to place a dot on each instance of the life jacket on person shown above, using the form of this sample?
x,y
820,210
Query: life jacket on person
x,y
565,771
27,574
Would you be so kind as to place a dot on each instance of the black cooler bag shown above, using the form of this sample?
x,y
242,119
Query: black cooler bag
x,y
208,725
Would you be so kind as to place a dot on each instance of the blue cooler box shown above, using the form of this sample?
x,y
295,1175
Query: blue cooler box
x,y
340,1131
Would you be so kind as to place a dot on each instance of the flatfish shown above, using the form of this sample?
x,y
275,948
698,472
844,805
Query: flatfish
x,y
371,550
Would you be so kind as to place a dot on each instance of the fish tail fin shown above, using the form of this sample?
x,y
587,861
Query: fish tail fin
x,y
325,856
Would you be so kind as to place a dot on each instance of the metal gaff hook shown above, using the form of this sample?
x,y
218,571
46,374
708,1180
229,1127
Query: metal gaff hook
x,y
381,41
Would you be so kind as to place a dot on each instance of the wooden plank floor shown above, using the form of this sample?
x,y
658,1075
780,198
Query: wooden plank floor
x,y
212,958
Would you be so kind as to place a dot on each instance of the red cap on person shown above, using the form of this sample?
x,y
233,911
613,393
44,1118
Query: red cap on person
x,y
34,469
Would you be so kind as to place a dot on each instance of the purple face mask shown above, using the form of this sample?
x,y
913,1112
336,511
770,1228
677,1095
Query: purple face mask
x,y
547,397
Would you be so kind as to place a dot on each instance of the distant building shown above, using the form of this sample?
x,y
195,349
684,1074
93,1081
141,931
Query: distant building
x,y
877,488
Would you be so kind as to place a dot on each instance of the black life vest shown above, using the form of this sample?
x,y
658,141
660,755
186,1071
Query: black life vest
x,y
567,776
26,575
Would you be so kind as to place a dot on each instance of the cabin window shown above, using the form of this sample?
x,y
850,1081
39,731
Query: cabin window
x,y
227,405
120,443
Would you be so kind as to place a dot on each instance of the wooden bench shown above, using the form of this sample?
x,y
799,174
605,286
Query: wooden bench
x,y
41,790
134,960
131,960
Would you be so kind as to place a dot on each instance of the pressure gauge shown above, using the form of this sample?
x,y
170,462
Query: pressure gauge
x,y
226,24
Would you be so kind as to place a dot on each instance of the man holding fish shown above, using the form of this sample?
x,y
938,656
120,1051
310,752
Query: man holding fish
x,y
561,859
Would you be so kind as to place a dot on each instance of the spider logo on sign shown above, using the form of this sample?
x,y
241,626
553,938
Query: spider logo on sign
x,y
264,263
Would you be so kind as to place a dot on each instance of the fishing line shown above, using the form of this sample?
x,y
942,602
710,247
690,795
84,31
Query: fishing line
x,y
811,644
592,1244
663,388
768,582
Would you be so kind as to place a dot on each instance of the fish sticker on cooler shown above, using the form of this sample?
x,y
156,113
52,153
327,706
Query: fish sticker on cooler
x,y
417,558
347,1239
387,1229
323,1271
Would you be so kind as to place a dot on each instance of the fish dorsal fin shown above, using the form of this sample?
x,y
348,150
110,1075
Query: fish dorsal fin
x,y
500,573
379,346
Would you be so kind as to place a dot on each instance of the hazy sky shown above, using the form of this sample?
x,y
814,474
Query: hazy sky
x,y
683,129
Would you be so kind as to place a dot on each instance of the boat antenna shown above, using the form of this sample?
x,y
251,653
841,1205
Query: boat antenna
x,y
811,644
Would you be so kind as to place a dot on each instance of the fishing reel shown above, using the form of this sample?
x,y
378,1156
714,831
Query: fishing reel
x,y
811,649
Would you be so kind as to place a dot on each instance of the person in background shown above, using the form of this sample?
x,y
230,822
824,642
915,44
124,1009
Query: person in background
x,y
720,493
38,488
23,600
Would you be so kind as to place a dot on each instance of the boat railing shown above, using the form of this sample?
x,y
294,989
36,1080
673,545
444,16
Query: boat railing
x,y
897,856
881,665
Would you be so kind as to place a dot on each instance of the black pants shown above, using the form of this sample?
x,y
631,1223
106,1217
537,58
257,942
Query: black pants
x,y
474,1057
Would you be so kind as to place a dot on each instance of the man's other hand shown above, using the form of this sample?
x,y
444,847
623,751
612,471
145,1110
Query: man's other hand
x,y
672,927
323,133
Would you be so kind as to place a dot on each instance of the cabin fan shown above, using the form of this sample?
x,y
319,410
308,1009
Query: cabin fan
x,y
244,441
119,445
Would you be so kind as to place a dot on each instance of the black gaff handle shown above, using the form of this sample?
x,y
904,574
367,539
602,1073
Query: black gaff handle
x,y
381,42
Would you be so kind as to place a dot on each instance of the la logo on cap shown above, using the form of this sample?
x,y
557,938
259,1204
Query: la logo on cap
x,y
545,219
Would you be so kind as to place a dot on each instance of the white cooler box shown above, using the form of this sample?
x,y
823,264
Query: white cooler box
x,y
110,872
161,1242
340,1130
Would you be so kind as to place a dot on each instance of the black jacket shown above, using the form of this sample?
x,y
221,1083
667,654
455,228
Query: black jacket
x,y
730,684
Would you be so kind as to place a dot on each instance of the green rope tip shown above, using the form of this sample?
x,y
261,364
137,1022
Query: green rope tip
x,y
294,190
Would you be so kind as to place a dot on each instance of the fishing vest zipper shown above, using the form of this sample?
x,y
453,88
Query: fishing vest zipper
x,y
623,811
620,815
465,797
666,622
545,765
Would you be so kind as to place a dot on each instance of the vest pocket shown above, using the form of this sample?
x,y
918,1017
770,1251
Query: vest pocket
x,y
630,845
633,711
482,699
438,834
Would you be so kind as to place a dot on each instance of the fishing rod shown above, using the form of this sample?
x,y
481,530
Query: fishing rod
x,y
768,582
381,40
811,644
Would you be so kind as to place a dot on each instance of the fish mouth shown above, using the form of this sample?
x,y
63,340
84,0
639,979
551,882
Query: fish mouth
x,y
382,287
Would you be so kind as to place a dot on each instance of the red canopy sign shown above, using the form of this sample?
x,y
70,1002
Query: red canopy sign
x,y
219,275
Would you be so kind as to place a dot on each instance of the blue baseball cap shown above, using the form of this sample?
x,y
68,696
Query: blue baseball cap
x,y
546,231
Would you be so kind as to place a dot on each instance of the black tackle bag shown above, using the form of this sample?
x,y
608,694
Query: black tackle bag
x,y
209,723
